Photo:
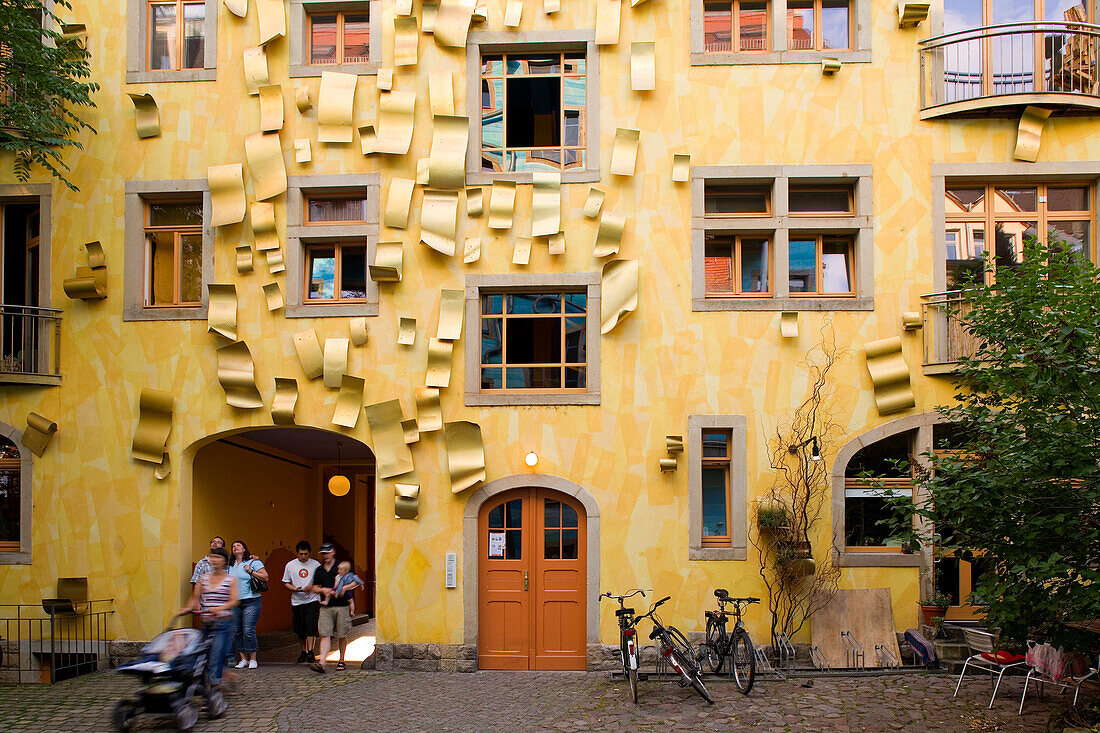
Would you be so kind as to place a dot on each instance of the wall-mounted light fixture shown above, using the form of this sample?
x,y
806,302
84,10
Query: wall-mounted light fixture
x,y
815,452
531,459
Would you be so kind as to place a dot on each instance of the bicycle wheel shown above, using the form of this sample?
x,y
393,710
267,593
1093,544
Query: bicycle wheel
x,y
699,687
632,675
691,673
712,651
743,661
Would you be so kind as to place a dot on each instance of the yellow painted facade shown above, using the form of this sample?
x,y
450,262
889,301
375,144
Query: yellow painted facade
x,y
100,514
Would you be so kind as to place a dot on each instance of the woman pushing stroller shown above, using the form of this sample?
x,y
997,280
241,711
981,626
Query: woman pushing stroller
x,y
216,595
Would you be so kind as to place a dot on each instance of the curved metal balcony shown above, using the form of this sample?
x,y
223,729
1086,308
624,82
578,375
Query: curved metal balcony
x,y
1000,69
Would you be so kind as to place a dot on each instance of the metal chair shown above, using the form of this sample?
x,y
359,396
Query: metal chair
x,y
1065,682
982,656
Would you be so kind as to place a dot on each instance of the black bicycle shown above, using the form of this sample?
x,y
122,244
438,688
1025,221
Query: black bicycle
x,y
674,649
628,639
734,645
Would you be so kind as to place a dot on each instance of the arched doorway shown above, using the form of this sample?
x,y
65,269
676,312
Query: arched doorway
x,y
532,580
267,486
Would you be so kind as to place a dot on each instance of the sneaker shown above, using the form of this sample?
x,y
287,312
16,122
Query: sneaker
x,y
317,667
312,657
241,664
252,664
303,657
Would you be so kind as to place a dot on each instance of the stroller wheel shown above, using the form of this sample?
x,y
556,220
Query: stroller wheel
x,y
216,704
186,714
123,715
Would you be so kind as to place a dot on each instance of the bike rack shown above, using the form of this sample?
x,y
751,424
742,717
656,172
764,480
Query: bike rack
x,y
885,657
853,651
818,658
785,655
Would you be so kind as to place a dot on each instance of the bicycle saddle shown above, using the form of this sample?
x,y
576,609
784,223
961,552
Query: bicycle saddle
x,y
624,611
721,593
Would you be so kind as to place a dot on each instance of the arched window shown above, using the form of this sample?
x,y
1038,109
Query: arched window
x,y
10,496
876,473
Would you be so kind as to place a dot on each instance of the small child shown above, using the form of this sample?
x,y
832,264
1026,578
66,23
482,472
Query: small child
x,y
344,577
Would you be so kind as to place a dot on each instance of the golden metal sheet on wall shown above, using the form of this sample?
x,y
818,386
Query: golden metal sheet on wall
x,y
607,22
475,202
441,93
594,202
398,202
406,502
272,17
551,6
265,164
674,444
830,67
1029,136
452,305
244,259
521,251
667,464
302,151
609,235
439,363
429,414
555,244
788,324
643,66
357,328
405,40
274,296
38,433
227,200
336,361
335,105
309,353
96,258
164,468
502,202
368,139
447,164
349,402
430,10
88,284
545,203
912,321
624,153
302,99
264,234
383,81
155,409
286,398
147,115
481,13
471,250
439,220
271,107
402,7
412,434
255,69
239,8
390,450
406,331
618,292
681,167
221,315
465,454
395,121
889,375
387,262
275,263
513,13
453,22
237,375
911,14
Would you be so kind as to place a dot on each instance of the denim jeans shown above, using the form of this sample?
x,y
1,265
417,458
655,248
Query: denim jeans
x,y
222,630
245,616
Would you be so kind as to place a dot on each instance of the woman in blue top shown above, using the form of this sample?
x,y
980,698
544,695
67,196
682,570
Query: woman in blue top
x,y
247,613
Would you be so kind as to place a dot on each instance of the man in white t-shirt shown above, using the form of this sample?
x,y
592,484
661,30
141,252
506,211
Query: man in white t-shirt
x,y
304,604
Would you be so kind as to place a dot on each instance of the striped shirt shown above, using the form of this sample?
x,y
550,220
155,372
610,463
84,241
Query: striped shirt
x,y
215,596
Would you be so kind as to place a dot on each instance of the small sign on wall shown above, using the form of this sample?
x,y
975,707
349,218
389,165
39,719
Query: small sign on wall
x,y
450,570
496,544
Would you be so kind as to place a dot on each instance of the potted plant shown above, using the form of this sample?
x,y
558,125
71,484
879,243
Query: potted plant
x,y
933,606
772,516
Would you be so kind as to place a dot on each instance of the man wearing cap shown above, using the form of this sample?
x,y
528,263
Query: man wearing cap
x,y
334,619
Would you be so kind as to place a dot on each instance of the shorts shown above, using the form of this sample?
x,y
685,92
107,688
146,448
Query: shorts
x,y
305,619
334,621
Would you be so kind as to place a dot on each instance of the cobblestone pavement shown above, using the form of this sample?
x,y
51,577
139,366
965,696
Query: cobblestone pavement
x,y
288,698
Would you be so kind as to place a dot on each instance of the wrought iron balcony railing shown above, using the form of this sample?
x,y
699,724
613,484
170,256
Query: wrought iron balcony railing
x,y
30,341
1012,64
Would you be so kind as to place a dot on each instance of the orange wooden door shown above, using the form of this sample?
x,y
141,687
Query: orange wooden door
x,y
531,581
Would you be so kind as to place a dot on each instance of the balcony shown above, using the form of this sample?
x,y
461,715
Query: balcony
x,y
30,340
998,70
945,339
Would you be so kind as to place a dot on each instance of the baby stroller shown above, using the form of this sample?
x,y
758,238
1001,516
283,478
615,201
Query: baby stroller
x,y
173,671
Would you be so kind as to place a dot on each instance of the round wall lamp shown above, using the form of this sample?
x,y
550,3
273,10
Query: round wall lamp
x,y
531,459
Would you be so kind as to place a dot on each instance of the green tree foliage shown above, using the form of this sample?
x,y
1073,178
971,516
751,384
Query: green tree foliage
x,y
1023,490
44,81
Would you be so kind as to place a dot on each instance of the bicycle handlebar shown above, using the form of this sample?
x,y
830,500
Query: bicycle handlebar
x,y
622,598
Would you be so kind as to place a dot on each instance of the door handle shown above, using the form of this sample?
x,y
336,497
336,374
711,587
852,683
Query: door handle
x,y
525,580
